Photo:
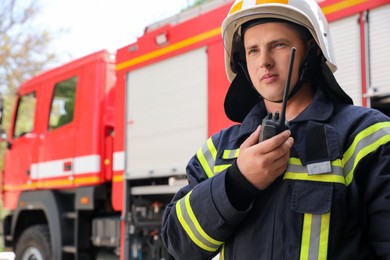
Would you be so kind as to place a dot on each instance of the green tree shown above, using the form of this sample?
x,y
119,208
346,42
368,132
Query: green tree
x,y
24,51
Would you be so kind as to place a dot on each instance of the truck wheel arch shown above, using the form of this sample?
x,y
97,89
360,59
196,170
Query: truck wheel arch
x,y
39,202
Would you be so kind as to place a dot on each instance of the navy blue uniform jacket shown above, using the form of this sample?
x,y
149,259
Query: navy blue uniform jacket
x,y
332,202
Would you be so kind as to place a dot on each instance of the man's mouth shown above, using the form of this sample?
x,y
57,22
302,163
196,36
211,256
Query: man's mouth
x,y
269,78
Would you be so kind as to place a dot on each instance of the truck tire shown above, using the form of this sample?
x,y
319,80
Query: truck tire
x,y
34,244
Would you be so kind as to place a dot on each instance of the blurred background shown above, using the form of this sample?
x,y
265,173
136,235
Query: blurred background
x,y
37,35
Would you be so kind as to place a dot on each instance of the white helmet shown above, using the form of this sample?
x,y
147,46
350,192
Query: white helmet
x,y
241,95
306,13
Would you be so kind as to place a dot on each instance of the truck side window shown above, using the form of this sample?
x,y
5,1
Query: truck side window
x,y
62,104
24,122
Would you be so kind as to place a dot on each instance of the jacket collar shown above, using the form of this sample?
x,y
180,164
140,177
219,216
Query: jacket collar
x,y
319,110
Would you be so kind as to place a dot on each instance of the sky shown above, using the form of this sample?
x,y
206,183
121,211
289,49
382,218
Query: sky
x,y
91,25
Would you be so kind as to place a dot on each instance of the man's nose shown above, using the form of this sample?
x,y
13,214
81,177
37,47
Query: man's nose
x,y
265,60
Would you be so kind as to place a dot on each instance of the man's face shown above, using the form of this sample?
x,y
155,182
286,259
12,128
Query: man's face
x,y
267,51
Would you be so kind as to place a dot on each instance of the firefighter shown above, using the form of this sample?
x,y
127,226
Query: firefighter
x,y
319,190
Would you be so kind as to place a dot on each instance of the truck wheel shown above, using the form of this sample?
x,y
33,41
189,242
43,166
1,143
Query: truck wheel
x,y
34,244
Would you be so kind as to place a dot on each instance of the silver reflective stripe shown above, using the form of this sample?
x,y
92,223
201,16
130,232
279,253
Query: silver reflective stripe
x,y
315,237
207,155
297,171
192,227
230,154
367,141
301,169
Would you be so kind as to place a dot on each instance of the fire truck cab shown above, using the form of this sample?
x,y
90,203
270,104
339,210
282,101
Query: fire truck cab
x,y
60,137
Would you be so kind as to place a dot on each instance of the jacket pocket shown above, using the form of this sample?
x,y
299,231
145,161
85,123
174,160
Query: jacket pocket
x,y
312,197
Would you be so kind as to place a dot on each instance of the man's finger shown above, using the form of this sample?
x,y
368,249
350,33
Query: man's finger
x,y
275,141
252,139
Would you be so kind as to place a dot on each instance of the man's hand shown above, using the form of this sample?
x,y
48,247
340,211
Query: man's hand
x,y
261,163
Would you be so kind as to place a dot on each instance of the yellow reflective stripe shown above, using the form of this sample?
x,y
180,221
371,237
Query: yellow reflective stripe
x,y
306,237
206,156
230,154
319,177
179,214
197,225
295,161
324,236
192,227
315,237
220,168
222,253
204,164
297,171
366,142
363,134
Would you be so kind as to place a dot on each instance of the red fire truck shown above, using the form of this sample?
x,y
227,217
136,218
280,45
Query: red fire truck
x,y
98,146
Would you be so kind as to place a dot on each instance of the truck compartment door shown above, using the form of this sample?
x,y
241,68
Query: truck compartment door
x,y
166,115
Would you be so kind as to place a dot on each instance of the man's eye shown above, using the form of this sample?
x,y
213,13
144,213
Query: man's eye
x,y
252,51
278,44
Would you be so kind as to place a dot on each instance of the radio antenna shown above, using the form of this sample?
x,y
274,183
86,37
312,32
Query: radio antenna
x,y
287,86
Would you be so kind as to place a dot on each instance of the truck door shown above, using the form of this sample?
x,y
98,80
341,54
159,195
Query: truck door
x,y
23,143
166,115
56,155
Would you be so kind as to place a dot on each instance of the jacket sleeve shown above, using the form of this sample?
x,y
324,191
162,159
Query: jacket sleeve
x,y
367,162
376,198
200,217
